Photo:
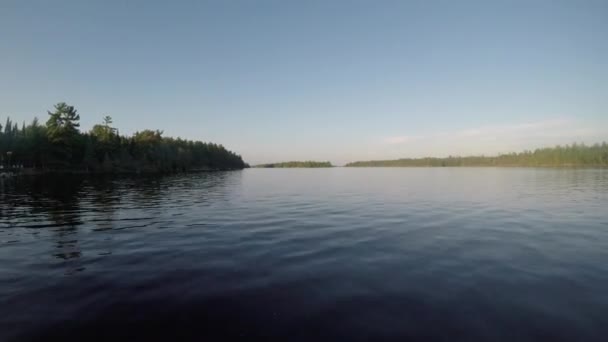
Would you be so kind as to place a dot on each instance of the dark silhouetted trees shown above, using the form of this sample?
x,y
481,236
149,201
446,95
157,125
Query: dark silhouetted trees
x,y
59,145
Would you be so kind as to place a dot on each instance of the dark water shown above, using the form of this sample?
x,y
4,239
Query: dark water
x,y
319,254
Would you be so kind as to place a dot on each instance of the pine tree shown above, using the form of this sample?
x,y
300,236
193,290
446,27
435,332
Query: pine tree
x,y
62,131
62,126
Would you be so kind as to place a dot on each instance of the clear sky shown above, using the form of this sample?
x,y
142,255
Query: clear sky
x,y
323,80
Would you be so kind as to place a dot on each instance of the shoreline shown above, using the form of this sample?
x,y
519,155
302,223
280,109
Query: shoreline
x,y
42,172
481,166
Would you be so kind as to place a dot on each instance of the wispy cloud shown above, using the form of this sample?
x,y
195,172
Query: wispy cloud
x,y
490,139
398,139
534,128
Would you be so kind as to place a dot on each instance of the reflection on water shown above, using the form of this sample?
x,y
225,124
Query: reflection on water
x,y
356,254
65,209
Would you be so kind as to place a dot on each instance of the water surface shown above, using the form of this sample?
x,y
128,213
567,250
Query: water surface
x,y
307,254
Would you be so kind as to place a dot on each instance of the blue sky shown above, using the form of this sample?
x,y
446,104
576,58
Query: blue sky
x,y
323,80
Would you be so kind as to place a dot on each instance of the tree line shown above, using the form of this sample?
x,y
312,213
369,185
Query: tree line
x,y
558,156
60,145
305,164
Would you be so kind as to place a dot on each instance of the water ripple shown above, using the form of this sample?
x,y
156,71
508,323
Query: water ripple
x,y
338,254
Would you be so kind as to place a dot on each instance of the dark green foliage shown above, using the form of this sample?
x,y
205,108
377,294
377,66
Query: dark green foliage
x,y
59,145
62,125
559,156
307,164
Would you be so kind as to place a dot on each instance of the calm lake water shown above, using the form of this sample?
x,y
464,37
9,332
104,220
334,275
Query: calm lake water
x,y
307,254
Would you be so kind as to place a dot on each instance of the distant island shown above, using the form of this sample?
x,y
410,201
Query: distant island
x,y
294,164
60,146
558,156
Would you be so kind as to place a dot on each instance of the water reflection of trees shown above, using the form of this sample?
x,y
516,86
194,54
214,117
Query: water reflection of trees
x,y
145,192
49,204
105,196
70,208
60,197
34,197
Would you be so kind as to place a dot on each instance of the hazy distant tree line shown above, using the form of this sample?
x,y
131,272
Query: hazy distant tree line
x,y
58,144
569,155
307,164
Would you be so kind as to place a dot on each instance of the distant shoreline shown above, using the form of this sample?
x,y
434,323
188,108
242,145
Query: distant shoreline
x,y
482,166
575,155
296,164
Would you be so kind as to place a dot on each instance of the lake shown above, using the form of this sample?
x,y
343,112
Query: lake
x,y
509,254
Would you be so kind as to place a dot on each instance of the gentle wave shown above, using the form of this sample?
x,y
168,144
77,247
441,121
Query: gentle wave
x,y
347,254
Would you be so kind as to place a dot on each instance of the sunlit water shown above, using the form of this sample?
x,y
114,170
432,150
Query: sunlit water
x,y
307,254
